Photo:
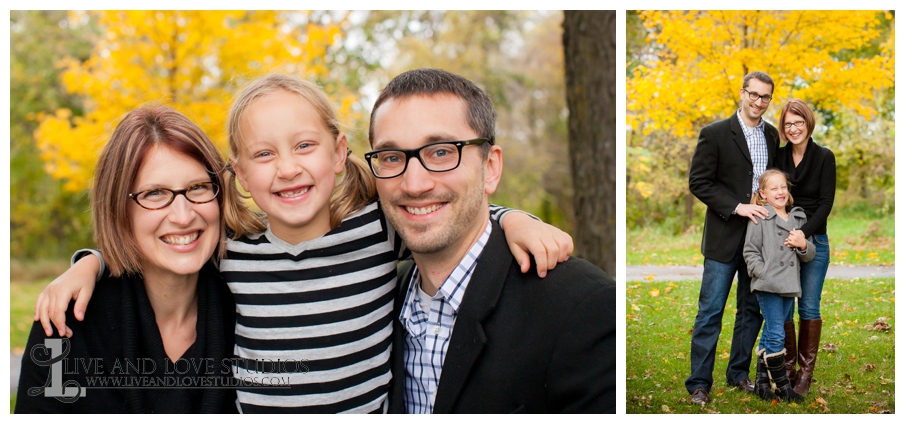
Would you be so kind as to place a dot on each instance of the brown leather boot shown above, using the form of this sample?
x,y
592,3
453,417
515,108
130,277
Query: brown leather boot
x,y
791,352
808,344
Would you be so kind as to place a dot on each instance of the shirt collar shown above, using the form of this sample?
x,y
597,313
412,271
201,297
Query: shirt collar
x,y
453,288
759,126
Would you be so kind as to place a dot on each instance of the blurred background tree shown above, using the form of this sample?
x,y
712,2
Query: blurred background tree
x,y
839,62
590,47
75,74
43,216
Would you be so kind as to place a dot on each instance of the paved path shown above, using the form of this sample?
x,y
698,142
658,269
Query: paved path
x,y
634,273
15,361
673,273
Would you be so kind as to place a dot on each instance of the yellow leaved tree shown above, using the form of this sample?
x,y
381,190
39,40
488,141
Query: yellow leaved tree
x,y
689,70
191,60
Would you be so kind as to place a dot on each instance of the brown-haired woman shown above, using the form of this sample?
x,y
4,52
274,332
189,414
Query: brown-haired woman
x,y
811,169
162,321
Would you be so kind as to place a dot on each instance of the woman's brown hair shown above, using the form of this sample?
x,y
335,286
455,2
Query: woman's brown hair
x,y
357,186
141,130
801,109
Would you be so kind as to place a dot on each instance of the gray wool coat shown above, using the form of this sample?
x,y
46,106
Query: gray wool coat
x,y
773,266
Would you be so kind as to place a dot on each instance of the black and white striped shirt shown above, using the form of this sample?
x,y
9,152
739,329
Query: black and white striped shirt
x,y
317,315
327,302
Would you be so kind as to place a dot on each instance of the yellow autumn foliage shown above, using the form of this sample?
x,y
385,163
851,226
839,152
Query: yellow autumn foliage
x,y
692,70
193,61
689,69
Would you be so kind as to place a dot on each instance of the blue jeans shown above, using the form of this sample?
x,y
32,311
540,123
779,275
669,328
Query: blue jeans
x,y
774,308
715,286
812,275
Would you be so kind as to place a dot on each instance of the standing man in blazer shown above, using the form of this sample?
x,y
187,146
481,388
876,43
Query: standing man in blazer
x,y
729,157
472,333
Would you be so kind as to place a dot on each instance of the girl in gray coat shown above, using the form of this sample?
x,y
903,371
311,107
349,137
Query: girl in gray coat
x,y
773,248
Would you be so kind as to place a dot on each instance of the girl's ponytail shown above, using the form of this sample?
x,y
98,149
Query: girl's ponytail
x,y
355,190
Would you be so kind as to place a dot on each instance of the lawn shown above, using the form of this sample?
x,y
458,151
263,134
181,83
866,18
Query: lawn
x,y
855,371
21,309
22,297
854,240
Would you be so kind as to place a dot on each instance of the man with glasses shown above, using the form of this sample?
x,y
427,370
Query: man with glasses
x,y
729,157
472,333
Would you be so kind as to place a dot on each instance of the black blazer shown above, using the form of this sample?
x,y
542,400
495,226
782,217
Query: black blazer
x,y
522,343
720,176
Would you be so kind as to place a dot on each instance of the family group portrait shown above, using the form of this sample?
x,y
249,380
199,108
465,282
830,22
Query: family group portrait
x,y
313,212
760,212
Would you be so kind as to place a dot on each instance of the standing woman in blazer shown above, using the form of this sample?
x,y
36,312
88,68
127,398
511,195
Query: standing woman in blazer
x,y
811,169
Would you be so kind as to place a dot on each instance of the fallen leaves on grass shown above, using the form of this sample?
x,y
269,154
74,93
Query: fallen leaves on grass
x,y
819,403
664,408
654,292
869,367
829,347
878,407
879,325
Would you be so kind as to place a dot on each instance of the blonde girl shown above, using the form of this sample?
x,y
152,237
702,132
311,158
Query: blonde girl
x,y
772,252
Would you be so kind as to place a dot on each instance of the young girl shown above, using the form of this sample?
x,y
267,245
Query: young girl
x,y
773,249
314,287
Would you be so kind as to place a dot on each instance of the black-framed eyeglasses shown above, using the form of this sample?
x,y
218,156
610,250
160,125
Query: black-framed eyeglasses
x,y
796,124
754,96
159,198
435,157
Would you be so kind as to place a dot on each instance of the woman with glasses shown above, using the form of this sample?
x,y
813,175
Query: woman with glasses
x,y
158,334
811,169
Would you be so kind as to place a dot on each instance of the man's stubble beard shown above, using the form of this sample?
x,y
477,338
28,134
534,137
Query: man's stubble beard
x,y
419,237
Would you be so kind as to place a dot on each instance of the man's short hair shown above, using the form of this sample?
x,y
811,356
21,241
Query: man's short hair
x,y
480,114
760,76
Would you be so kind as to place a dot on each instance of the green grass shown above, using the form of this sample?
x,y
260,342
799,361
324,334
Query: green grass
x,y
22,296
857,378
854,240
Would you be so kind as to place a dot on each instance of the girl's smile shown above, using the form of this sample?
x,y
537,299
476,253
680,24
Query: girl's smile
x,y
288,162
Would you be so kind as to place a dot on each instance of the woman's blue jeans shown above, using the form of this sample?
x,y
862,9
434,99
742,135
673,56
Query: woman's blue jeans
x,y
812,274
774,309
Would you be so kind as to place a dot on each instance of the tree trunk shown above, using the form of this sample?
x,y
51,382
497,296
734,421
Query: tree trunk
x,y
589,41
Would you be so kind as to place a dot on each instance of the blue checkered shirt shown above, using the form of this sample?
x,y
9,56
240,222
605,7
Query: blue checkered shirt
x,y
757,147
427,337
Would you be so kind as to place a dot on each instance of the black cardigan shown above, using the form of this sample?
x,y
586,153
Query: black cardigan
x,y
120,326
812,183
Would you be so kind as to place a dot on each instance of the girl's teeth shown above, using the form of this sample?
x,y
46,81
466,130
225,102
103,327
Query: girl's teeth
x,y
181,240
422,211
293,193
